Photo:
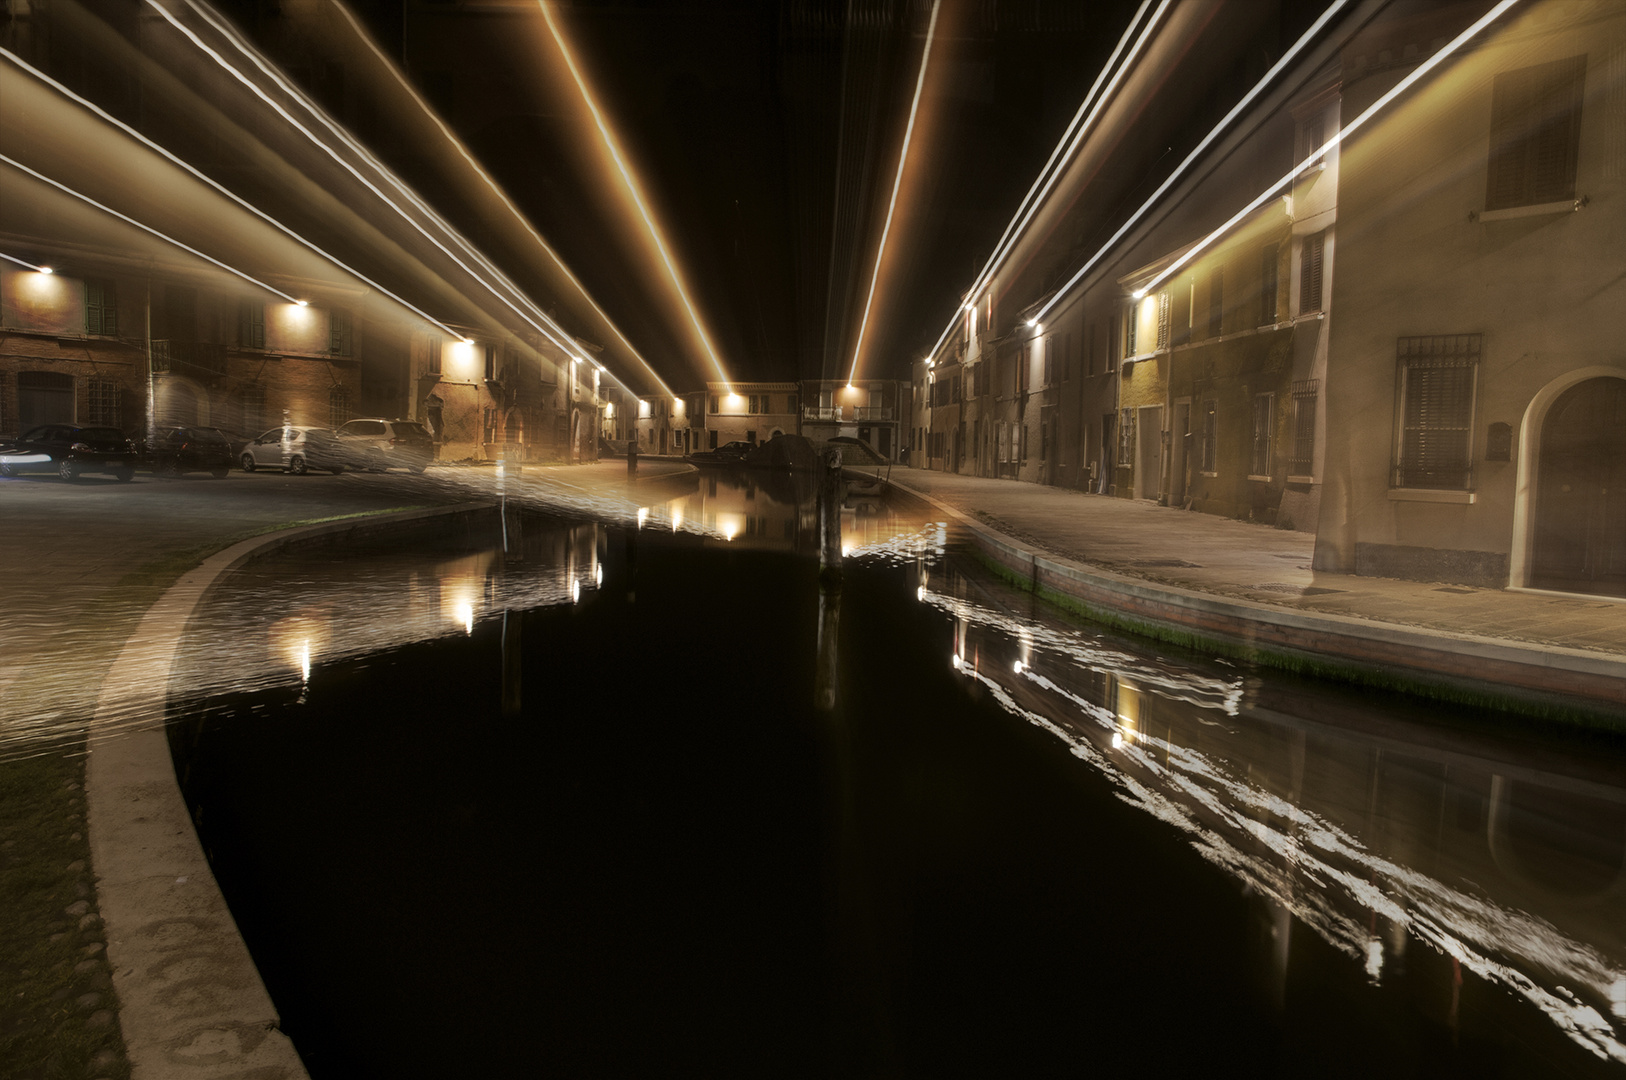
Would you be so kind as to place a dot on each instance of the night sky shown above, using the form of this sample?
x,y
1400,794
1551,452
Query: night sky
x,y
766,136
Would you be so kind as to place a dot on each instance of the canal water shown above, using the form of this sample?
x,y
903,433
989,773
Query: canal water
x,y
654,800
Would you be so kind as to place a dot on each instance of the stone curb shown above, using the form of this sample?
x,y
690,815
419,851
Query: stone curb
x,y
191,1001
1548,679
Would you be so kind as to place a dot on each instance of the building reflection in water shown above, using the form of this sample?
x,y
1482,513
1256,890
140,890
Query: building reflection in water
x,y
1376,834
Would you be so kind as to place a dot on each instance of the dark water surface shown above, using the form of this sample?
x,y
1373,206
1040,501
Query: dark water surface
x,y
579,815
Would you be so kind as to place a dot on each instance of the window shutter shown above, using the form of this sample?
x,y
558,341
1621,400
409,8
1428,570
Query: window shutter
x,y
93,306
1535,134
1310,272
1437,399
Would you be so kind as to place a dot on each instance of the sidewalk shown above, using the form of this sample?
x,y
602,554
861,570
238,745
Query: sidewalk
x,y
1127,555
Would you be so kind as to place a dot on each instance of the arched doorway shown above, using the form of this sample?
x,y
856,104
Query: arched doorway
x,y
1579,535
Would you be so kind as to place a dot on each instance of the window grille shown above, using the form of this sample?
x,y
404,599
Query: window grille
x,y
1310,262
251,325
1216,303
1305,393
1163,319
254,420
104,399
1535,134
101,308
1126,437
1437,379
1268,284
1264,429
338,406
340,335
1209,457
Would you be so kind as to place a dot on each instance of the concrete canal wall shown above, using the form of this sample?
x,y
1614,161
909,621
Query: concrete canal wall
x,y
191,1002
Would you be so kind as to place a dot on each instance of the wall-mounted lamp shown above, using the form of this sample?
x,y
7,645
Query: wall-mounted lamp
x,y
303,303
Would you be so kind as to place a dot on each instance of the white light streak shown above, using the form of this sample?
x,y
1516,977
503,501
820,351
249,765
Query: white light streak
x,y
637,196
1081,123
1309,162
551,330
892,203
490,182
20,167
22,263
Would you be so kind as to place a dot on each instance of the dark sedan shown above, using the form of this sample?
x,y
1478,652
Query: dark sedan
x,y
175,450
730,453
69,450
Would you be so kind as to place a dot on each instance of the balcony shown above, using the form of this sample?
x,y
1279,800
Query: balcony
x,y
814,412
197,359
871,413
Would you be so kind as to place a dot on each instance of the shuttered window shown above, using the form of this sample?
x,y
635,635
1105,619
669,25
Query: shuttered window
x,y
101,308
1535,134
1268,284
251,324
1131,326
1216,302
1437,383
1163,319
1315,247
340,335
1264,431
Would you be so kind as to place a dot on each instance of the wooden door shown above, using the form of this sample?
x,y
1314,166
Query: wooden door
x,y
1580,541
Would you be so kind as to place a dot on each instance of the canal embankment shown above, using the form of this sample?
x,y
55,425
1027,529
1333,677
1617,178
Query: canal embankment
x,y
1247,591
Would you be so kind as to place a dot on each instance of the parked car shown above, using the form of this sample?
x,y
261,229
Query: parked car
x,y
730,453
376,443
69,450
294,449
175,450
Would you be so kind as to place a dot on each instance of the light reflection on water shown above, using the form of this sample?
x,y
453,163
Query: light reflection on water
x,y
1316,819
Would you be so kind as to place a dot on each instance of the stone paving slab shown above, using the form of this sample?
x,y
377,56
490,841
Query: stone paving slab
x,y
1233,558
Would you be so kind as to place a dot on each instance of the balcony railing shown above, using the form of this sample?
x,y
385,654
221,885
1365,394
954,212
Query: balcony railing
x,y
873,412
814,412
194,358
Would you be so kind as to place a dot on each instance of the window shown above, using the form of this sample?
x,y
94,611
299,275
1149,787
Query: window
x,y
1023,376
752,405
338,406
1216,302
1310,272
1049,363
1535,134
251,324
1022,444
981,378
101,308
339,333
1433,440
431,356
1067,358
1126,437
104,399
954,389
1131,324
1264,429
1208,451
1268,283
254,408
490,366
1312,133
1163,319
790,403
1305,392
714,403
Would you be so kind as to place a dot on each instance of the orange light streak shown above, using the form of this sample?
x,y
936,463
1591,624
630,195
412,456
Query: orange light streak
x,y
632,188
903,159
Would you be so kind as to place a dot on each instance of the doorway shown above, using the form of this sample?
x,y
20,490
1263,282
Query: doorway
x,y
43,397
1580,518
1179,475
1148,451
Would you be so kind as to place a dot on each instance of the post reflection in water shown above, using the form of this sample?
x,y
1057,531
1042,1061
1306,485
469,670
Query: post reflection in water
x,y
1370,832
1432,869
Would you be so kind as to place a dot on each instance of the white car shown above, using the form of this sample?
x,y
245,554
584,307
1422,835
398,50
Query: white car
x,y
376,443
295,450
